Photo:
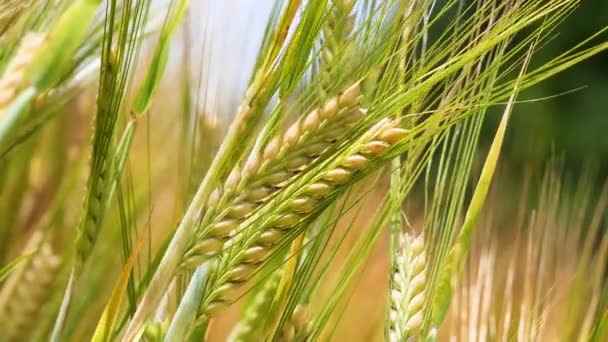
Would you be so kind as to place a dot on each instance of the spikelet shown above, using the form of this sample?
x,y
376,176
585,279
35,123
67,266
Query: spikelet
x,y
93,215
299,326
298,208
13,79
20,313
338,27
263,175
245,330
407,290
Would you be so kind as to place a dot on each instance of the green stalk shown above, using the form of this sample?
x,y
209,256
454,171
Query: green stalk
x,y
14,114
184,317
65,38
457,256
63,310
118,164
185,231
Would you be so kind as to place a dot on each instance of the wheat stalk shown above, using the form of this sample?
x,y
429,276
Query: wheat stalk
x,y
14,78
407,289
237,269
264,174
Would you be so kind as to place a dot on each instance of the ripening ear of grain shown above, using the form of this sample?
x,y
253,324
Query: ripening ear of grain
x,y
240,267
46,67
14,81
29,101
263,175
299,326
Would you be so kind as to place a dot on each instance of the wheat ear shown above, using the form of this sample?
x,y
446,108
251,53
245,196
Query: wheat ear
x,y
338,27
236,269
407,292
244,330
263,175
299,326
21,311
14,77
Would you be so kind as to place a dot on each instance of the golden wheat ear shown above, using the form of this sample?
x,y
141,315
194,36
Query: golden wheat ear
x,y
299,327
249,187
239,268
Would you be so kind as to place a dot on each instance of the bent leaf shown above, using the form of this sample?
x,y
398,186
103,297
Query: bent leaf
x,y
159,62
112,309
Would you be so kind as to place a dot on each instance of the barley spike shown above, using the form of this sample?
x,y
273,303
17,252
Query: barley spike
x,y
271,234
247,188
407,294
338,27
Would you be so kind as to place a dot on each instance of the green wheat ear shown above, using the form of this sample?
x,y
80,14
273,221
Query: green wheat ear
x,y
336,43
249,327
67,34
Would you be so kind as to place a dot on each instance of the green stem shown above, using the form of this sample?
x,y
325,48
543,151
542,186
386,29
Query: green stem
x,y
186,229
63,311
188,306
15,114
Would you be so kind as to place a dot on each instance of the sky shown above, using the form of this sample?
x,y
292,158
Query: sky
x,y
225,37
